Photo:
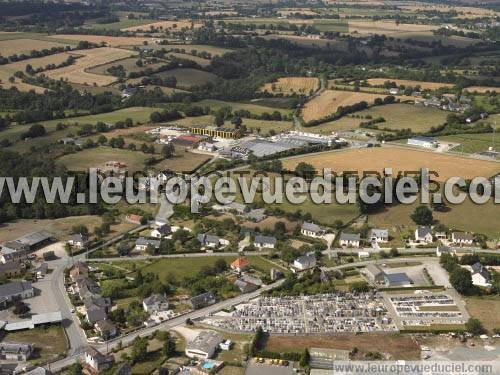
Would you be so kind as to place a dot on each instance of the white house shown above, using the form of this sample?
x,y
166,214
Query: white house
x,y
161,231
155,303
350,239
379,235
441,249
265,242
96,361
363,254
79,240
212,241
423,234
312,230
462,238
480,275
305,262
204,345
141,244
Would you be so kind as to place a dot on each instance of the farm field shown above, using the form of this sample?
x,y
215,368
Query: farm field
x,y
122,24
385,27
342,124
292,85
96,158
401,347
164,25
329,100
485,309
183,48
400,159
253,108
199,60
129,64
5,35
19,46
111,41
93,57
187,77
472,143
407,82
406,116
182,161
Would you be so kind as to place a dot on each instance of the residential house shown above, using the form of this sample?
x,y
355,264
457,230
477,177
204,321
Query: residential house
x,y
397,279
240,264
79,270
480,275
18,352
305,262
350,239
394,91
374,273
379,235
204,345
105,328
423,235
92,300
10,269
134,219
17,290
267,242
95,313
155,303
95,362
86,286
442,249
245,287
142,243
462,238
209,240
79,240
312,230
161,231
202,300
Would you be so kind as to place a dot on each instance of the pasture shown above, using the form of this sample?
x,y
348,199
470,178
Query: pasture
x,y
472,143
112,41
77,72
256,109
328,101
187,77
485,309
182,161
292,85
199,60
407,82
164,25
399,159
129,64
97,157
385,27
19,46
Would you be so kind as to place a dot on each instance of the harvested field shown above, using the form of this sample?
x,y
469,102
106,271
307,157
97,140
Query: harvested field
x,y
8,70
482,89
485,309
199,60
407,82
112,41
183,161
187,77
400,159
20,46
292,85
397,346
164,25
96,158
254,108
93,57
385,27
129,64
329,100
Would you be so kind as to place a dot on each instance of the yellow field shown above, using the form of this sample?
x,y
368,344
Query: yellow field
x,y
291,85
93,57
19,46
385,27
482,89
8,70
407,82
329,100
399,159
164,25
112,41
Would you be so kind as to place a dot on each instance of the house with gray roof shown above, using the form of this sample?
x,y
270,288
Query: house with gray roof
x,y
161,231
18,352
462,238
265,242
379,235
79,240
209,240
305,262
312,230
16,290
202,300
350,239
204,345
480,275
155,303
423,234
142,243
95,313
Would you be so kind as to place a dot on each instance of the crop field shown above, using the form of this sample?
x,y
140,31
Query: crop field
x,y
93,57
19,46
112,41
401,347
407,82
199,60
292,85
8,70
472,143
4,35
485,309
129,64
187,77
304,41
384,27
96,158
253,108
482,89
399,159
329,100
164,25
406,116
182,161
122,24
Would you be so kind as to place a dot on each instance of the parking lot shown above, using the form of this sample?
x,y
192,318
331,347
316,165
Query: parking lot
x,y
256,368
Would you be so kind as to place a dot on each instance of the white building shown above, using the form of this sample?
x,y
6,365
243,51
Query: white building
x,y
480,275
350,239
212,241
363,254
141,244
264,242
379,235
204,345
312,230
305,262
425,142
423,234
462,238
161,231
155,303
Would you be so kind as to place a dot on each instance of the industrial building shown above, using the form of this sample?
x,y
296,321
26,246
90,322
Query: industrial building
x,y
204,345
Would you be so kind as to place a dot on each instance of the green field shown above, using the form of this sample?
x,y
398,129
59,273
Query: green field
x,y
122,24
472,143
253,108
36,36
96,157
187,77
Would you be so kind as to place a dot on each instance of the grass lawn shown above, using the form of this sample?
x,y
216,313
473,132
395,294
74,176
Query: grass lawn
x,y
97,157
403,116
49,342
181,267
485,309
472,143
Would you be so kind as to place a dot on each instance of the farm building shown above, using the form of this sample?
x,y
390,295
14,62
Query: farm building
x,y
215,132
204,345
397,279
425,142
374,273
10,269
29,242
17,290
15,351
